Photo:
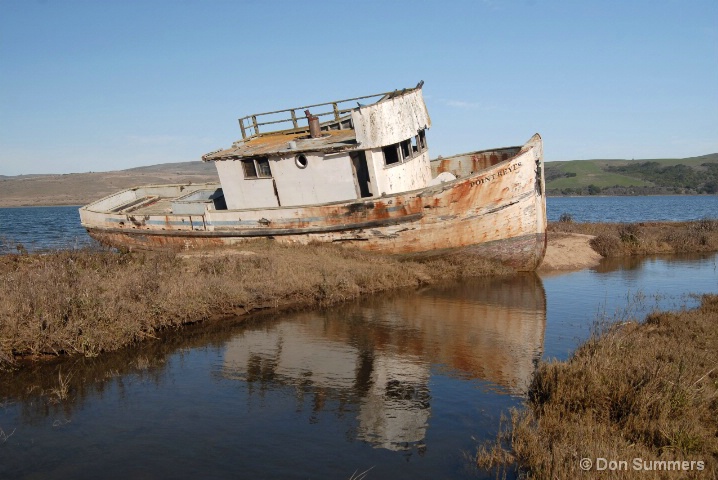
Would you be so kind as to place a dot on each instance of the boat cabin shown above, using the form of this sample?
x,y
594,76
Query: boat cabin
x,y
331,152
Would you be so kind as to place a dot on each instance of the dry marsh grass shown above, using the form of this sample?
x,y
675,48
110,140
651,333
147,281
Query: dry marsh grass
x,y
645,391
88,302
645,238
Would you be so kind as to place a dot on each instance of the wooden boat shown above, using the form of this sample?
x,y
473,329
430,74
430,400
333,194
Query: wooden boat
x,y
362,177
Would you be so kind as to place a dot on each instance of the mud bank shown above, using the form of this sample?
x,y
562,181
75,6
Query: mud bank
x,y
569,251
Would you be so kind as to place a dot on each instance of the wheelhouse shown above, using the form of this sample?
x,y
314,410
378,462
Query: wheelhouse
x,y
345,151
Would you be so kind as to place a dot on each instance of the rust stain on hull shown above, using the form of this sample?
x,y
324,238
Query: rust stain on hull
x,y
496,212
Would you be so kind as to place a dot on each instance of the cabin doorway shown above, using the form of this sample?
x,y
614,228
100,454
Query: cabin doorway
x,y
361,174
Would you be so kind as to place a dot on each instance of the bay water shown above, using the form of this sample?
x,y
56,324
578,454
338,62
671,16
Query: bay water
x,y
404,384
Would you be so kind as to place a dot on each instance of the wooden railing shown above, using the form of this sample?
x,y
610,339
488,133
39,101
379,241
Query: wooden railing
x,y
250,125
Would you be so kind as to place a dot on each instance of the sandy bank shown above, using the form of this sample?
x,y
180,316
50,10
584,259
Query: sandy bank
x,y
569,251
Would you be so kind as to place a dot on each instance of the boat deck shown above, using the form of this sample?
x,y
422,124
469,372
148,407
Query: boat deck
x,y
162,206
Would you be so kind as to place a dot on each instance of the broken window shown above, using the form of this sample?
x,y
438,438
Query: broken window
x,y
249,169
263,167
422,140
406,149
391,154
257,168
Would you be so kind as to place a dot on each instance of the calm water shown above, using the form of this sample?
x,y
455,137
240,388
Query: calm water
x,y
634,209
405,384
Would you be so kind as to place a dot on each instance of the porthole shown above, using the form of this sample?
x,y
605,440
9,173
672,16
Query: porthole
x,y
301,161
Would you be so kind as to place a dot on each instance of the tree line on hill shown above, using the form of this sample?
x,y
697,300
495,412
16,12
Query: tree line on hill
x,y
667,180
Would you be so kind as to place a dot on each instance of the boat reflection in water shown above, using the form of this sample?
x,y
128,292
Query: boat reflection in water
x,y
375,359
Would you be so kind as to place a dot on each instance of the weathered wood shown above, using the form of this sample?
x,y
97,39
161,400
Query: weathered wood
x,y
498,212
491,203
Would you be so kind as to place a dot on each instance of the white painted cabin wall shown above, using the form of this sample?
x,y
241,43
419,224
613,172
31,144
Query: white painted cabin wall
x,y
390,121
330,177
240,193
327,178
410,175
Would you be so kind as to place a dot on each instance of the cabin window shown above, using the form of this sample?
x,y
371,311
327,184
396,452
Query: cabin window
x,y
257,168
406,149
391,154
263,167
418,143
250,171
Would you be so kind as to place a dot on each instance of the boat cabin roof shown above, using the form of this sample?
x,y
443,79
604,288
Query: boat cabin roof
x,y
279,143
336,122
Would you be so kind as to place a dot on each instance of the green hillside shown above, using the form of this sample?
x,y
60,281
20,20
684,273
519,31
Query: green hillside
x,y
693,175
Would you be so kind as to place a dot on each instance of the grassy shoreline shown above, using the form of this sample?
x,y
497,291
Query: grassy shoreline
x,y
644,238
89,302
642,393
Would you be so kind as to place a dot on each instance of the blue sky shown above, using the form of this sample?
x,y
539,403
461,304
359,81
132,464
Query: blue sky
x,y
107,85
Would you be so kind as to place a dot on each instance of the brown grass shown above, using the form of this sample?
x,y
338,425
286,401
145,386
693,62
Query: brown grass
x,y
620,239
634,390
88,302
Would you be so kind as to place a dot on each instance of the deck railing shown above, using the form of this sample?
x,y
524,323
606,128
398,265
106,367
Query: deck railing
x,y
251,123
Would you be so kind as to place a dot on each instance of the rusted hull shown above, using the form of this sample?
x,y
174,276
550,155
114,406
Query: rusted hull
x,y
495,209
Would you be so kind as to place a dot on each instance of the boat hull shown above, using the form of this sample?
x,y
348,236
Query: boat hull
x,y
495,209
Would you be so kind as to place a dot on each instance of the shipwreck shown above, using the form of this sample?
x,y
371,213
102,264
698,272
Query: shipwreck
x,y
353,171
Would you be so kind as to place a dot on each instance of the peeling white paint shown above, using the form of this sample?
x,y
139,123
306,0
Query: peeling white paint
x,y
391,121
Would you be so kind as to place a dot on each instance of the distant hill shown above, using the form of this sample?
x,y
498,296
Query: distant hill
x,y
575,177
663,176
82,188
